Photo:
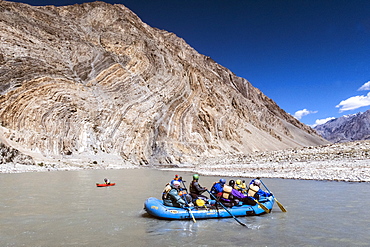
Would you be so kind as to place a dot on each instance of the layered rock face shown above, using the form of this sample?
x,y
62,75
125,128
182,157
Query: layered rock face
x,y
93,79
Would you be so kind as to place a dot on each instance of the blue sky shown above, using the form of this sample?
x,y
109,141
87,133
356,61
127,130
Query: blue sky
x,y
312,57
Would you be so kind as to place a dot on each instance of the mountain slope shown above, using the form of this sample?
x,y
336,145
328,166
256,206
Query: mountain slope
x,y
93,79
346,128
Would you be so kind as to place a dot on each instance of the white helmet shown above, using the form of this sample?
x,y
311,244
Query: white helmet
x,y
175,183
257,182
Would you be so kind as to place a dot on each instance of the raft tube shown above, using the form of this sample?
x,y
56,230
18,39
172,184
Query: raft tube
x,y
155,208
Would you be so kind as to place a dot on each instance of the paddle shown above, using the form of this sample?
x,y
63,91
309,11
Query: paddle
x,y
259,204
186,201
262,206
183,184
277,202
241,223
187,208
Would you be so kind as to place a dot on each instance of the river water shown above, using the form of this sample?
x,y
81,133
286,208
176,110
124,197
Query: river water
x,y
65,208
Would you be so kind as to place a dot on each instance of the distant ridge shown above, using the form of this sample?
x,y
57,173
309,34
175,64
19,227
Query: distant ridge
x,y
346,128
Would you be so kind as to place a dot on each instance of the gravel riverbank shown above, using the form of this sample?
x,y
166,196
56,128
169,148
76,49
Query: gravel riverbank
x,y
335,162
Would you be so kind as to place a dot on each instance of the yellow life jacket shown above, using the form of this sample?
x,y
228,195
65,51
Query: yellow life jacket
x,y
243,186
166,190
253,190
239,185
199,202
227,191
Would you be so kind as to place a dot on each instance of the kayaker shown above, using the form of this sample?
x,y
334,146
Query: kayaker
x,y
171,195
196,189
255,191
106,181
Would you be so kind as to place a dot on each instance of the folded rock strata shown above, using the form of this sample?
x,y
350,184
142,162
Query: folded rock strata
x,y
93,79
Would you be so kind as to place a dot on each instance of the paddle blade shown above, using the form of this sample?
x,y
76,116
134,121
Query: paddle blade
x,y
193,218
280,206
189,210
262,206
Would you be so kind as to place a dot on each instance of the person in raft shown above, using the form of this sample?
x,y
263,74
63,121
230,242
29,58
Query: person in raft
x,y
236,196
182,190
196,189
240,185
177,178
255,191
171,197
106,181
218,189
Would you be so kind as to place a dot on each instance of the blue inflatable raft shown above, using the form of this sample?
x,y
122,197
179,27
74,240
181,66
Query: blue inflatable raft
x,y
156,208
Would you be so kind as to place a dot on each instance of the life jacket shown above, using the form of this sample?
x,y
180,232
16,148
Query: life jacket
x,y
166,190
244,186
217,189
253,190
227,191
199,202
192,187
239,188
213,188
182,192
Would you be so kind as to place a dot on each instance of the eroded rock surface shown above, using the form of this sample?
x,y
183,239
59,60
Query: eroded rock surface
x,y
11,155
93,79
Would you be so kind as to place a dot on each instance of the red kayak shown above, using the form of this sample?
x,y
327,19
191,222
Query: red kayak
x,y
105,185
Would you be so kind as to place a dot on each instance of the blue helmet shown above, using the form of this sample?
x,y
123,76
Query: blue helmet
x,y
222,180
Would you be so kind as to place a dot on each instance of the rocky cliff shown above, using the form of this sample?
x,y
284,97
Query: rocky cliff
x,y
11,155
346,128
92,80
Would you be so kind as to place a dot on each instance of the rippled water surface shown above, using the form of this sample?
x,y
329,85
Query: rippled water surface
x,y
67,209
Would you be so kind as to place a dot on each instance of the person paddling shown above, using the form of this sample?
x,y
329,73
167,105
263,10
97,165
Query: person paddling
x,y
255,190
217,187
106,181
240,185
218,191
171,195
196,189
235,196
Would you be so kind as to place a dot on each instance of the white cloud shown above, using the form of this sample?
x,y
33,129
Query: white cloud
x,y
301,113
321,121
354,103
365,87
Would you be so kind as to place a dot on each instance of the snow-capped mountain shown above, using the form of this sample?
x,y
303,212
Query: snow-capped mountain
x,y
346,128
